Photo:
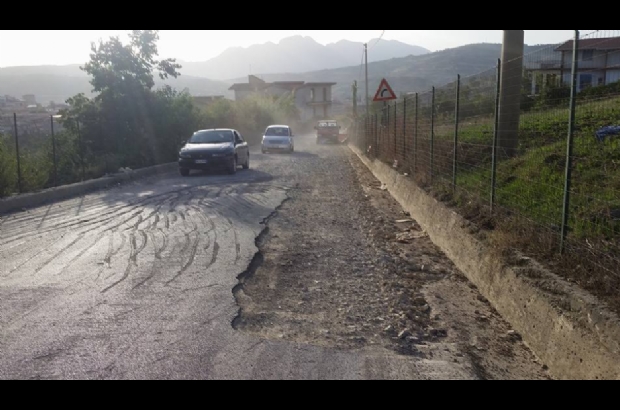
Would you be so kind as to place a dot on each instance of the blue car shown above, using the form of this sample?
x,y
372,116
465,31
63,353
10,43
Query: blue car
x,y
212,149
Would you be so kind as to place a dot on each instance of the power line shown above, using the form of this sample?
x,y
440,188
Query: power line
x,y
379,39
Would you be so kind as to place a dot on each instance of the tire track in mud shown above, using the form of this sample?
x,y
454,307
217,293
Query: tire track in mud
x,y
133,258
149,232
100,219
111,253
236,239
184,210
57,254
107,261
82,235
190,260
157,251
190,223
81,253
187,213
34,256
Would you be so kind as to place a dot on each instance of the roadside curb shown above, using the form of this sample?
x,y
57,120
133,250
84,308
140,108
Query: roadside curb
x,y
566,327
34,199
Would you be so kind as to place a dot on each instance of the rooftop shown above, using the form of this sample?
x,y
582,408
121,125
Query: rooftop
x,y
602,44
319,83
259,84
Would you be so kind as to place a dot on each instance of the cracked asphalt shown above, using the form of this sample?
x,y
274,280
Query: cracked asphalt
x,y
136,282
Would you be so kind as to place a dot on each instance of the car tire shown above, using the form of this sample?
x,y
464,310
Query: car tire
x,y
184,172
232,170
247,163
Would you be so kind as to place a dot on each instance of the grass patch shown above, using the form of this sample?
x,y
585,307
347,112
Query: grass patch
x,y
530,192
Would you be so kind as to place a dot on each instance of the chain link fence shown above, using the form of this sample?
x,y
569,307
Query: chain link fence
x,y
37,153
550,189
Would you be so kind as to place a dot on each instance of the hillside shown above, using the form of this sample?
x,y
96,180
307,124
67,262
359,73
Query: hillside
x,y
406,74
295,55
57,83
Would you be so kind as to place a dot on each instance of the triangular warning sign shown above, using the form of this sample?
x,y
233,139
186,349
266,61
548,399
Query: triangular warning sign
x,y
385,92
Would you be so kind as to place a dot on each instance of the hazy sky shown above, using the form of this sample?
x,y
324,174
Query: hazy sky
x,y
34,47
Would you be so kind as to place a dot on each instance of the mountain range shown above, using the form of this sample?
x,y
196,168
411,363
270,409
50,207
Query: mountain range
x,y
296,58
406,74
295,54
58,83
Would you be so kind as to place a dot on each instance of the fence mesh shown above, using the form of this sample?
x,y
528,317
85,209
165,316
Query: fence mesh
x,y
48,155
542,182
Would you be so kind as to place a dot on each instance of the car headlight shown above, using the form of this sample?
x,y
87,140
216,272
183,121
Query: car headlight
x,y
184,155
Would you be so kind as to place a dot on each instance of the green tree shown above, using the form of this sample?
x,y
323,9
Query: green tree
x,y
127,123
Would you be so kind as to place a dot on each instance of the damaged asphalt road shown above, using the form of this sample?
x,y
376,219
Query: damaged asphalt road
x,y
163,279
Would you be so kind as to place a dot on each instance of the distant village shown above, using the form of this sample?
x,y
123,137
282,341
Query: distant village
x,y
27,104
31,115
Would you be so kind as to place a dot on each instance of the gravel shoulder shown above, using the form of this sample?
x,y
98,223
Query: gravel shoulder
x,y
342,266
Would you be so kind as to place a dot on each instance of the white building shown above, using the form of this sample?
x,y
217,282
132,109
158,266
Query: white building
x,y
598,64
314,100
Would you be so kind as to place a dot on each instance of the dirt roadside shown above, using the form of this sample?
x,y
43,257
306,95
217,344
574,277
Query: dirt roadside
x,y
341,265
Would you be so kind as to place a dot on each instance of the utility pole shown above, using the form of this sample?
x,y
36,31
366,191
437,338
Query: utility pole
x,y
510,91
354,99
366,64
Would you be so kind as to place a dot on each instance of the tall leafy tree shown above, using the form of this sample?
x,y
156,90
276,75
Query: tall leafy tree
x,y
119,123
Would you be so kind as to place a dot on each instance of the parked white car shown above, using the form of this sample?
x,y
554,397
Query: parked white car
x,y
278,138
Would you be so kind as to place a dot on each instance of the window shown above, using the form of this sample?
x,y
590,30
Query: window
x,y
588,55
212,137
324,94
585,81
277,132
238,138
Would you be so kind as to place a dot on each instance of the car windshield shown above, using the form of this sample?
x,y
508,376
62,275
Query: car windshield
x,y
211,137
277,132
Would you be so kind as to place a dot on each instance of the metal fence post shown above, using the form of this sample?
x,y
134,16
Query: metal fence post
x,y
81,150
365,138
19,165
569,147
404,128
415,133
456,131
395,126
376,135
495,135
54,151
387,129
432,134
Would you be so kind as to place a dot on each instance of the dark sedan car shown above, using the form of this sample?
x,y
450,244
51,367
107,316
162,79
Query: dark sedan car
x,y
214,149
